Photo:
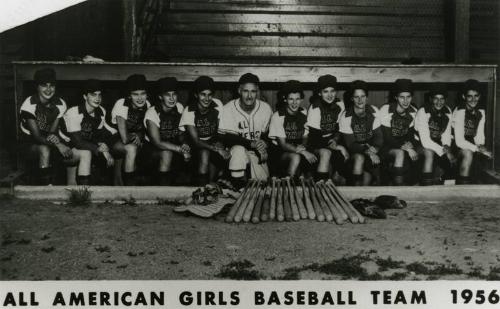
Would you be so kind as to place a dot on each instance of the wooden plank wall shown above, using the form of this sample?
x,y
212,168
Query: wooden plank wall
x,y
341,30
484,31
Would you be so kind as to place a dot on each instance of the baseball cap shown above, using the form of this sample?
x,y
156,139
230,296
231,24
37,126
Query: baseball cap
x,y
403,85
292,86
472,84
359,84
92,85
136,82
438,88
248,78
204,83
44,76
326,81
167,84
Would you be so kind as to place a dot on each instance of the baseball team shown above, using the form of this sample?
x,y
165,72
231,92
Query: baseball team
x,y
349,140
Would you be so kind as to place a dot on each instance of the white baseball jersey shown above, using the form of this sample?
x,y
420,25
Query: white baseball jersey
x,y
251,126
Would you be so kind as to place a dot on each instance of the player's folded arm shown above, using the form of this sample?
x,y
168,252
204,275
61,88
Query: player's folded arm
x,y
81,143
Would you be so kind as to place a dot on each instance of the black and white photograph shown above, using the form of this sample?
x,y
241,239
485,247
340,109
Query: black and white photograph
x,y
250,140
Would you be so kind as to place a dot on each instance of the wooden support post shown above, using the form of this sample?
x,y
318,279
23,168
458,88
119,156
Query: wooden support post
x,y
129,12
462,29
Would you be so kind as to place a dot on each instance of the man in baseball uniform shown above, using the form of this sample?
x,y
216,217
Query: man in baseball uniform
x,y
469,119
243,126
39,121
128,116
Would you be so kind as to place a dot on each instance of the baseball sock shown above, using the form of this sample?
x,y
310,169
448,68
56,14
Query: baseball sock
x,y
202,179
165,178
238,182
45,176
129,179
398,178
357,180
427,179
463,180
321,176
83,180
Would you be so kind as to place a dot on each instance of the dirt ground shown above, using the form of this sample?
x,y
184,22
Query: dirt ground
x,y
44,241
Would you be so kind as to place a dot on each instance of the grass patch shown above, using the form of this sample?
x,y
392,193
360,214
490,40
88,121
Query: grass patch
x,y
389,263
130,201
347,267
81,196
434,269
240,270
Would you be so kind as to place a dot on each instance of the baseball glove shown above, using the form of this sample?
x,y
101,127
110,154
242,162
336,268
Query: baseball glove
x,y
368,208
389,202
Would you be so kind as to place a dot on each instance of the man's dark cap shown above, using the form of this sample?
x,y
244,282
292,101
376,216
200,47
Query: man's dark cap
x,y
326,81
438,88
167,84
403,85
292,86
92,85
358,84
136,82
472,84
204,83
44,76
249,78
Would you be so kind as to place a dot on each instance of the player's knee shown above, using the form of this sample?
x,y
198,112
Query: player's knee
x,y
85,156
131,150
44,151
467,155
237,151
324,154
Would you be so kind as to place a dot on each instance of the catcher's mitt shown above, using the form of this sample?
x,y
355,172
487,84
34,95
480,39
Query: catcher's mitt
x,y
389,202
368,208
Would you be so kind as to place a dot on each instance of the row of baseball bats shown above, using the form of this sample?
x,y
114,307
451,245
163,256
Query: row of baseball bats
x,y
282,200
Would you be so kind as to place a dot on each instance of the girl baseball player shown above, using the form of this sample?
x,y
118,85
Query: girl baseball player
x,y
433,125
468,124
39,121
360,127
86,131
201,120
128,116
165,140
398,119
322,123
288,131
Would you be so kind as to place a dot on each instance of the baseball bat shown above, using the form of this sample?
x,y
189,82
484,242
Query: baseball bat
x,y
350,214
258,205
345,203
239,200
298,198
338,216
280,216
293,203
286,201
241,210
272,202
307,199
321,201
266,205
247,215
320,215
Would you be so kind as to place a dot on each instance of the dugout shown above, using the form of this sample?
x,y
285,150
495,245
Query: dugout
x,y
380,77
276,39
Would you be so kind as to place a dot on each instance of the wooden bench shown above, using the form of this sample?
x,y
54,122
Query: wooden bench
x,y
226,75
